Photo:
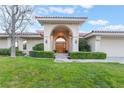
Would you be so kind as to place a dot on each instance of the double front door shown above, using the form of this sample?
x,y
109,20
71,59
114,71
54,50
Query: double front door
x,y
60,47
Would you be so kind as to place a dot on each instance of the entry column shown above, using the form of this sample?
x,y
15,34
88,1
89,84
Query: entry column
x,y
75,44
47,45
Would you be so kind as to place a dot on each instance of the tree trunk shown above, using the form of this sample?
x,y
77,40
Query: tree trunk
x,y
13,48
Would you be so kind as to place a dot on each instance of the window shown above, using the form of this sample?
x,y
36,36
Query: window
x,y
25,45
61,40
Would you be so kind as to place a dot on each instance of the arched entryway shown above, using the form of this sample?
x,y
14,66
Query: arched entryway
x,y
61,39
61,24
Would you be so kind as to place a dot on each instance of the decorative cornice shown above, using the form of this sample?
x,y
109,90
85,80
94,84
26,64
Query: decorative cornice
x,y
61,20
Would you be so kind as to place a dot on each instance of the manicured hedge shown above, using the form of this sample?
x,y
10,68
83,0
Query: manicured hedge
x,y
87,55
41,54
4,51
7,52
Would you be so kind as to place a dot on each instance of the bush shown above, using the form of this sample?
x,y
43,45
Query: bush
x,y
83,45
41,54
4,51
38,47
8,51
87,55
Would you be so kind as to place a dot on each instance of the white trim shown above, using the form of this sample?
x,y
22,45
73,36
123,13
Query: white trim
x,y
104,34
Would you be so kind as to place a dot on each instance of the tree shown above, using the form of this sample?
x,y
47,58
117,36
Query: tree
x,y
13,20
83,45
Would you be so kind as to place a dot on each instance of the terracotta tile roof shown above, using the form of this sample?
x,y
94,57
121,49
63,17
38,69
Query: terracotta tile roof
x,y
60,19
38,33
107,31
41,33
82,34
26,33
65,17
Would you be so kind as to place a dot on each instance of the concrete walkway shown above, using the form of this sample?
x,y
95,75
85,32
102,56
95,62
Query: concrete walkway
x,y
63,57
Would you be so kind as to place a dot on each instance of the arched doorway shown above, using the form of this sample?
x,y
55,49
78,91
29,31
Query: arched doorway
x,y
60,45
61,39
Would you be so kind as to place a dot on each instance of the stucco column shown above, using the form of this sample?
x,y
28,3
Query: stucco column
x,y
47,45
51,43
97,43
20,43
75,44
70,44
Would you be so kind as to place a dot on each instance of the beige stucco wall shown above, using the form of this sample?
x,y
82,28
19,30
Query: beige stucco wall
x,y
33,42
30,43
4,43
91,42
113,46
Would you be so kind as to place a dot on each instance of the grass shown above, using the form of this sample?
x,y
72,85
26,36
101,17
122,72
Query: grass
x,y
32,72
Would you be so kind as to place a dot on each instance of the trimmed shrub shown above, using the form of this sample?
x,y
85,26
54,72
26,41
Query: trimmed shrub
x,y
83,45
42,54
87,55
4,51
8,51
38,47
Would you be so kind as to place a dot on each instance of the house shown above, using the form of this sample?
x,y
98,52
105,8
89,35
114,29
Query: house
x,y
110,42
61,34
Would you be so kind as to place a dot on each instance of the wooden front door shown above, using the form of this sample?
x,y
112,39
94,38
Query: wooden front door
x,y
60,47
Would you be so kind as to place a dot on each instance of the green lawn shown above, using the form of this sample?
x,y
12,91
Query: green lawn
x,y
32,72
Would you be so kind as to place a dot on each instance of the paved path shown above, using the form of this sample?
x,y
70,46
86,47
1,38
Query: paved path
x,y
63,57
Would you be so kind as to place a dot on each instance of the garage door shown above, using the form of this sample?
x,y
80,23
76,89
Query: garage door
x,y
114,47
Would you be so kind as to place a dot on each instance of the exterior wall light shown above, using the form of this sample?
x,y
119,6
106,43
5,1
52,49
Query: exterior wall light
x,y
75,41
46,41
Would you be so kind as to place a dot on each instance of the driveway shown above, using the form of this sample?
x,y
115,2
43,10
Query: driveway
x,y
63,57
116,59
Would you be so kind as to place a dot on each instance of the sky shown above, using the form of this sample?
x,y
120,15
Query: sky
x,y
100,17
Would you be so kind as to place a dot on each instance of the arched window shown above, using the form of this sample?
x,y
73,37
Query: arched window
x,y
60,40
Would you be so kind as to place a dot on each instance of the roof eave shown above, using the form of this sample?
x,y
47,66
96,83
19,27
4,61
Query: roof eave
x,y
75,20
98,33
